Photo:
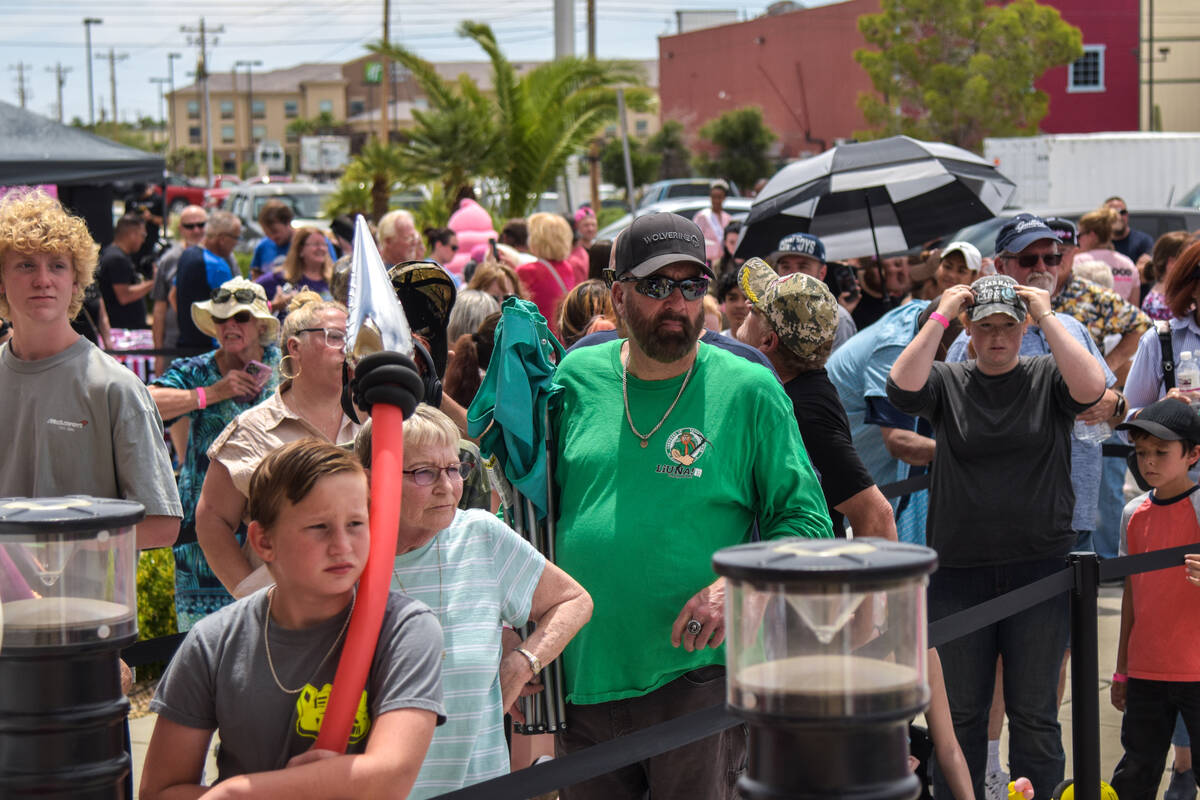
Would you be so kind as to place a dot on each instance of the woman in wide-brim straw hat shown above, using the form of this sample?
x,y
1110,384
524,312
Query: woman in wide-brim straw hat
x,y
211,390
307,404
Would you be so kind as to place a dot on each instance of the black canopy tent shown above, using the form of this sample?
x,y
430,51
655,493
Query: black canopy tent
x,y
36,150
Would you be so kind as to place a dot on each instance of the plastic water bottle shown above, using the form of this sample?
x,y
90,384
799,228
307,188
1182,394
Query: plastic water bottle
x,y
1092,434
1187,376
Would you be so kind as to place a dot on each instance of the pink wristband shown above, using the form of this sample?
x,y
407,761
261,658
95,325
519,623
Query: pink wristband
x,y
1120,677
201,400
940,319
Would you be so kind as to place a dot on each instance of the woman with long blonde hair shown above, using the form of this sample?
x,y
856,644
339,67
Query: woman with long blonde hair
x,y
308,265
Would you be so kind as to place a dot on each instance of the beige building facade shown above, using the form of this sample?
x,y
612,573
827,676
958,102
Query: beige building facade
x,y
1170,65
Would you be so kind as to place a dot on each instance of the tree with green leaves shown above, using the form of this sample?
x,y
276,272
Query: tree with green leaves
x,y
612,163
669,144
323,124
368,181
956,71
741,139
523,132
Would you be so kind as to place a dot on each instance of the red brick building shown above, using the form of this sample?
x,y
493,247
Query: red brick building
x,y
799,67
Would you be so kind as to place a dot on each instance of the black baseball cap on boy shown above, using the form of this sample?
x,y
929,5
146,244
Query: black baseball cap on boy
x,y
1169,419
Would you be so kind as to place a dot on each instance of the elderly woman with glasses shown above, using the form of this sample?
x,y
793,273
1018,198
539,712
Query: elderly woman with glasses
x,y
210,390
307,404
479,577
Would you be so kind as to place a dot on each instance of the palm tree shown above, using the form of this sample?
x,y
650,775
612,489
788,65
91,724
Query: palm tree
x,y
368,181
521,136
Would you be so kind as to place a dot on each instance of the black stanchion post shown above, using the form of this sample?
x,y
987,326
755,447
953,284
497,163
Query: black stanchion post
x,y
1085,671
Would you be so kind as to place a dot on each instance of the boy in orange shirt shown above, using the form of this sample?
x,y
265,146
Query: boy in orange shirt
x,y
1158,655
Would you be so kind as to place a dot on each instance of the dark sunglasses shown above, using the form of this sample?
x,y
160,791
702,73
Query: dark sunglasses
x,y
240,295
192,226
1124,212
658,287
1030,260
427,476
241,317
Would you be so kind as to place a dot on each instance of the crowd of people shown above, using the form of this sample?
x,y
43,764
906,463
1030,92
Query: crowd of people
x,y
704,400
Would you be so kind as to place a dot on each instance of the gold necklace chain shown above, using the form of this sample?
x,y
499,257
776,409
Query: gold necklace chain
x,y
625,394
329,652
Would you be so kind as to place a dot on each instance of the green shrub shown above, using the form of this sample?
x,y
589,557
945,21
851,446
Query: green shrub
x,y
155,600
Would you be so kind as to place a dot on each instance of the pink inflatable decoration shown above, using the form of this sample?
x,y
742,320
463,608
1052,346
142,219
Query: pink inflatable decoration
x,y
473,226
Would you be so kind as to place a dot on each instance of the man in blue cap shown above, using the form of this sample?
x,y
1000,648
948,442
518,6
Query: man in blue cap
x,y
805,253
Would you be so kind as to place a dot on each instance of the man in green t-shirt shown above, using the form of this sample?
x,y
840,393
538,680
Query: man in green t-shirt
x,y
668,450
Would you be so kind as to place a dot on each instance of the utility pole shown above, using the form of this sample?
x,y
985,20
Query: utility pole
x,y
112,59
200,39
88,22
162,116
171,83
384,94
22,92
249,65
60,78
564,29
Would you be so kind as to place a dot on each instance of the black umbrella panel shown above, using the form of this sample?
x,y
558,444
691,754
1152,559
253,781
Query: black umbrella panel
x,y
876,197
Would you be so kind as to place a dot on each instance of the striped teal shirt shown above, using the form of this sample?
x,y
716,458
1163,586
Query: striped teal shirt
x,y
476,575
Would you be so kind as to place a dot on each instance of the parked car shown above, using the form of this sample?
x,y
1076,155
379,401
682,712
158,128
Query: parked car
x,y
680,187
684,206
306,199
1152,221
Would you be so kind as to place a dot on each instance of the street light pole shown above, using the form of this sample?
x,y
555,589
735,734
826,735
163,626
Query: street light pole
x,y
171,83
162,116
249,65
88,22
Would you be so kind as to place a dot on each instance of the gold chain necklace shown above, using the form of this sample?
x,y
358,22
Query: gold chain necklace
x,y
625,394
329,652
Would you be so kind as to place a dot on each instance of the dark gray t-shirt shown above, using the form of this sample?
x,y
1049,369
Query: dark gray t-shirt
x,y
220,679
1001,486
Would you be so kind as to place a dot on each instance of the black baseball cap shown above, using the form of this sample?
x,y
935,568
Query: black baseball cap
x,y
1022,231
1065,230
653,241
1168,419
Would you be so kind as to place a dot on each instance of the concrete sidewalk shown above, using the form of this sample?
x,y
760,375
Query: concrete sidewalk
x,y
1109,624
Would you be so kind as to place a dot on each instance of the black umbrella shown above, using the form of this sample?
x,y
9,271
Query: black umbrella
x,y
885,196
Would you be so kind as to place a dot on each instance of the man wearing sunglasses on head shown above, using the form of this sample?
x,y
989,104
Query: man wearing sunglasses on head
x,y
668,450
202,269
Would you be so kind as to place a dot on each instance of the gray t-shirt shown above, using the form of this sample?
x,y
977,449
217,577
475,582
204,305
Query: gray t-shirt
x,y
220,680
1001,485
845,327
79,422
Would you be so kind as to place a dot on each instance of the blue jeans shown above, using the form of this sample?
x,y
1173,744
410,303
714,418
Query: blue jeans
x,y
1032,643
1107,535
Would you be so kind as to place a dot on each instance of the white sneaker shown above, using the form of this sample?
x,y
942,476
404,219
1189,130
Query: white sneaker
x,y
995,785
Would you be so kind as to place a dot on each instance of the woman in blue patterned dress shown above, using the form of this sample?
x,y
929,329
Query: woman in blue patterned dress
x,y
211,389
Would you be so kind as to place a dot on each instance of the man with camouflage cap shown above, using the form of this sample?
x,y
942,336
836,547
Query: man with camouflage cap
x,y
792,321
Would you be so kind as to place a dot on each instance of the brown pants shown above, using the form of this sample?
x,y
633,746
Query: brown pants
x,y
703,770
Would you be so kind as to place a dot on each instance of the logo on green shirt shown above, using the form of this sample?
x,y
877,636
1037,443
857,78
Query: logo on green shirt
x,y
684,447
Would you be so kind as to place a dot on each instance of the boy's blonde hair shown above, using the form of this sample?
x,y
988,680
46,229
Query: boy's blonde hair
x,y
427,426
290,473
33,222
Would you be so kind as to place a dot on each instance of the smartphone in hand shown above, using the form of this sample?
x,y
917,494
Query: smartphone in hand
x,y
260,372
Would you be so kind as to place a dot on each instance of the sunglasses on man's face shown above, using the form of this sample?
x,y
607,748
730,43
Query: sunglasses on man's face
x,y
658,287
240,295
1030,260
241,317
193,226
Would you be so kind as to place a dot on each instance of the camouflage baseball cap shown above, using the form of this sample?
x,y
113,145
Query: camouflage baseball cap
x,y
798,307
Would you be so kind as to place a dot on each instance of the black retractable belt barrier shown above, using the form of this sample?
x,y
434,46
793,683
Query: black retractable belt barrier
x,y
139,654
1085,670
969,620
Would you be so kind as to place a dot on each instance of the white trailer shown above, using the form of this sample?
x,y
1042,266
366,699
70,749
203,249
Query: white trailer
x,y
1080,170
324,155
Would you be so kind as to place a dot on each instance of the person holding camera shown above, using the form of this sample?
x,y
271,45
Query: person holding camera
x,y
211,390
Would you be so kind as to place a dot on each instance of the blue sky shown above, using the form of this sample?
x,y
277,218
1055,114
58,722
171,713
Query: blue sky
x,y
283,33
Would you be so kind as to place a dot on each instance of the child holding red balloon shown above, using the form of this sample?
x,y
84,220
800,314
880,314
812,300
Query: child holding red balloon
x,y
259,671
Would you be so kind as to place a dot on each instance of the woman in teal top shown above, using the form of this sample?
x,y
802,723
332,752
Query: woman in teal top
x,y
211,389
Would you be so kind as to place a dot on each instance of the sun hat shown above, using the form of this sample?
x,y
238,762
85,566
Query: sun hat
x,y
232,296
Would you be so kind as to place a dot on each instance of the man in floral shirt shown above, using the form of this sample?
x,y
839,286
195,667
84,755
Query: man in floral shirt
x,y
1102,311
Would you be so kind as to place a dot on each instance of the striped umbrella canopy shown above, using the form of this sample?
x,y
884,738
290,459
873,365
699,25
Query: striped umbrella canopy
x,y
885,196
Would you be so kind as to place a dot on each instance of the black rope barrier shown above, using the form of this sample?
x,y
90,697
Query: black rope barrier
x,y
665,736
